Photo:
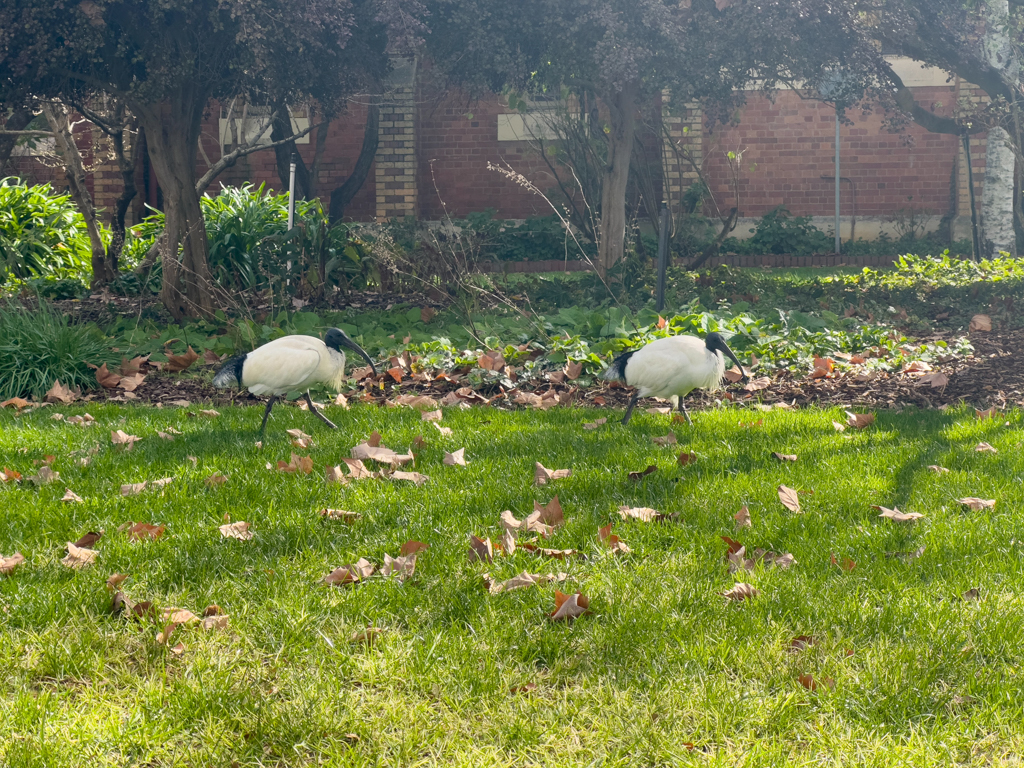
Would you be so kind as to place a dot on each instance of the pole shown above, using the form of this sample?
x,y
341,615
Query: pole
x,y
838,240
662,255
975,235
291,206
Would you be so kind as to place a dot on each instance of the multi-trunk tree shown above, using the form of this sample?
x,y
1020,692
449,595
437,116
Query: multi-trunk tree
x,y
165,61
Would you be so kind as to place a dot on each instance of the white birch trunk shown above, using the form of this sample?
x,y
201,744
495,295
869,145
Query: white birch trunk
x,y
997,195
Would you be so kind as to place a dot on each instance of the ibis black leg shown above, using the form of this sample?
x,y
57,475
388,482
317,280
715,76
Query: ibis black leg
x,y
630,407
686,413
266,414
324,419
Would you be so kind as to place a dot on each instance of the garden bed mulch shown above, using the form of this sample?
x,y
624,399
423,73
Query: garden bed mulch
x,y
992,377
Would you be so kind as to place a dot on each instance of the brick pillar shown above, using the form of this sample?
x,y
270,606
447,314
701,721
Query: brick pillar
x,y
397,195
971,97
686,134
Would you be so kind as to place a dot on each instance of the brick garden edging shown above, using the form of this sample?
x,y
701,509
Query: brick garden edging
x,y
768,260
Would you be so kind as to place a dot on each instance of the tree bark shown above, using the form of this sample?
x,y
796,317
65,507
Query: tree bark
x,y
281,128
172,137
126,163
997,193
16,122
343,195
74,170
622,108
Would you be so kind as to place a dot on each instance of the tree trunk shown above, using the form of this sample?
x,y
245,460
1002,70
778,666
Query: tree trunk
x,y
342,196
622,109
281,128
16,122
172,138
997,196
126,163
74,170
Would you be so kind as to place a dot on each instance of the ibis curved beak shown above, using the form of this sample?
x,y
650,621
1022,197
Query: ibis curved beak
x,y
744,378
348,342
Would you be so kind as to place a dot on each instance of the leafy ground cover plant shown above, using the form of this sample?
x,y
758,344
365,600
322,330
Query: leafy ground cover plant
x,y
201,611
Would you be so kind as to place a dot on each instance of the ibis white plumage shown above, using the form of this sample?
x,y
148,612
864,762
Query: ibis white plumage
x,y
672,367
291,363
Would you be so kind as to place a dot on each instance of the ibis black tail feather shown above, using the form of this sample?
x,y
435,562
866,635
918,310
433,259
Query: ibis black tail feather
x,y
230,374
617,370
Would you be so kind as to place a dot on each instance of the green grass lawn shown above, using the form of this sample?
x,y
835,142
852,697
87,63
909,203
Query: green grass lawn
x,y
662,663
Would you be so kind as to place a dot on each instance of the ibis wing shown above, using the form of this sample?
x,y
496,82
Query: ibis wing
x,y
276,369
669,366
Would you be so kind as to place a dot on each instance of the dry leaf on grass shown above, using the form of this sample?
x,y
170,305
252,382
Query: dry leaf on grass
x,y
8,564
413,477
907,556
239,530
455,459
595,424
413,547
741,591
640,474
542,475
643,514
350,574
800,643
550,513
742,518
58,393
937,469
522,581
44,476
115,579
177,363
613,542
785,456
738,561
335,475
895,514
16,402
808,682
846,564
88,539
365,636
971,594
118,437
480,549
300,439
789,498
79,557
296,464
445,431
432,416
985,448
357,470
214,622
569,607
991,413
339,514
401,567
973,502
145,531
10,476
669,439
559,554
686,458
531,523
838,427
859,420
757,384
217,478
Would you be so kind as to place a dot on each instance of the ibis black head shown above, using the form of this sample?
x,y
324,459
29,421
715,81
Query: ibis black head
x,y
335,338
714,342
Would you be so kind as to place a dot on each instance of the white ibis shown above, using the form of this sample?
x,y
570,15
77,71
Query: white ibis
x,y
672,367
288,364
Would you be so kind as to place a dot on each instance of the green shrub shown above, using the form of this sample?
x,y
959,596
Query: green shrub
x,y
39,346
778,231
41,233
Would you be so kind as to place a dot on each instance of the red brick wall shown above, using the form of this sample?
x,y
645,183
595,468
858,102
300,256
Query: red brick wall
x,y
792,144
453,152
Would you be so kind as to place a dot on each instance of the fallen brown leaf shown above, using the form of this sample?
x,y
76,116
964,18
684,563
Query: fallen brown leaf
x,y
365,636
177,363
846,564
801,643
742,518
980,323
937,469
550,513
754,385
789,498
643,514
8,564
88,539
296,464
524,580
432,416
412,548
118,437
142,531
455,459
933,380
971,594
839,427
413,477
596,423
686,458
79,557
445,431
239,530
350,574
217,478
401,567
613,542
480,549
669,439
895,514
106,378
808,682
10,476
991,413
859,420
357,470
58,393
643,472
542,475
973,502
785,456
741,591
115,579
525,688
985,448
569,607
